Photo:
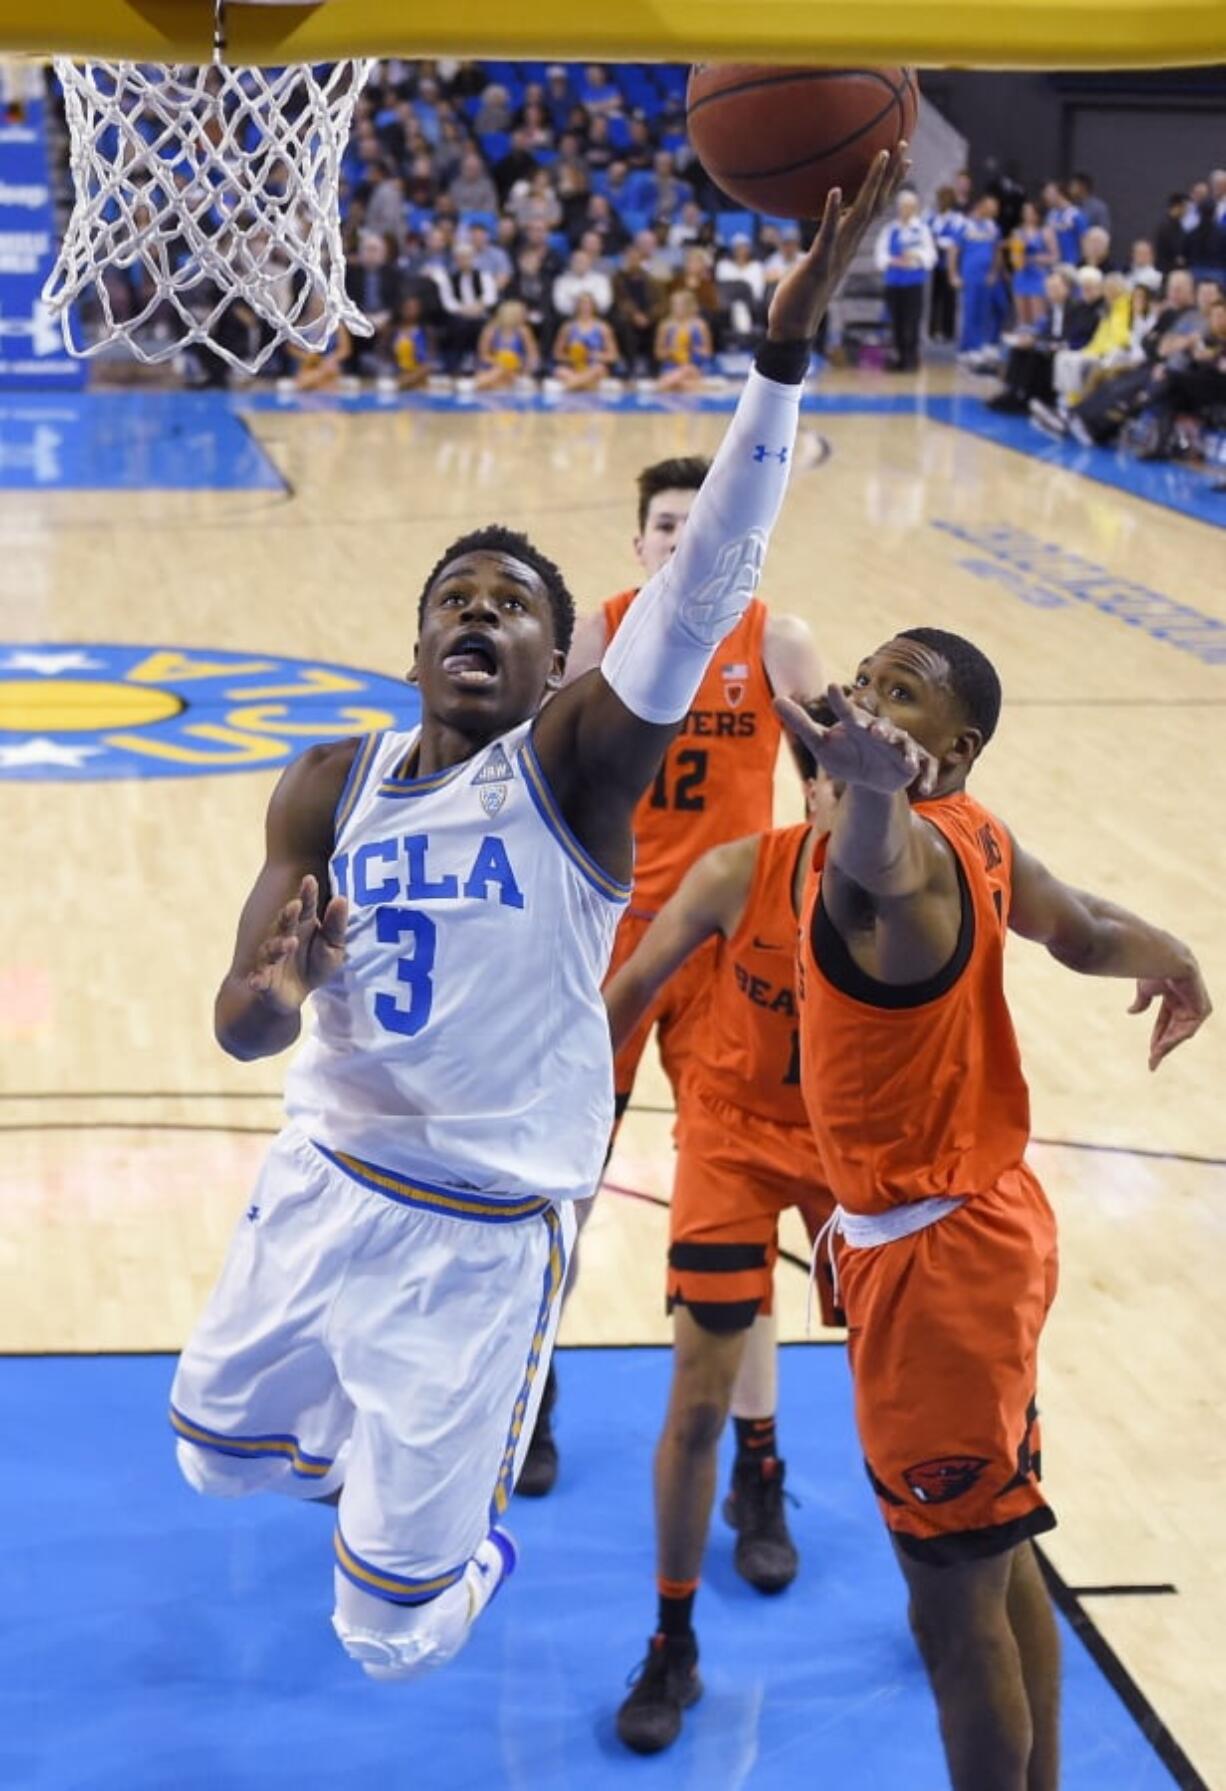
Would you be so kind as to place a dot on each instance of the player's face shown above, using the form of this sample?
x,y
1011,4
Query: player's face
x,y
486,656
667,514
907,683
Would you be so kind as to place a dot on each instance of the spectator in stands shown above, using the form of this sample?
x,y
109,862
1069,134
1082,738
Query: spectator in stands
x,y
431,116
532,285
385,206
597,92
1081,194
1142,268
449,152
665,193
785,256
1108,348
1032,252
489,256
585,349
1032,348
538,126
572,185
1065,220
964,191
557,94
691,225
740,265
468,298
657,260
977,268
373,283
421,184
944,221
472,189
683,346
506,350
581,277
494,112
1192,385
904,255
1170,242
599,149
640,151
638,300
1096,248
537,203
412,350
601,221
695,276
517,164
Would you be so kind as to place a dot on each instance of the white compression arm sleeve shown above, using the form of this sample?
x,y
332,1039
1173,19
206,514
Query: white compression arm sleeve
x,y
659,655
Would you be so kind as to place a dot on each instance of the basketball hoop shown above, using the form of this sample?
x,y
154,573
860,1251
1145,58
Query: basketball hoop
x,y
207,206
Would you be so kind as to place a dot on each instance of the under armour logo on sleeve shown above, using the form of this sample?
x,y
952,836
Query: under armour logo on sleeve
x,y
762,452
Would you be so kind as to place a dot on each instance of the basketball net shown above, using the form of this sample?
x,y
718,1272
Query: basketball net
x,y
207,207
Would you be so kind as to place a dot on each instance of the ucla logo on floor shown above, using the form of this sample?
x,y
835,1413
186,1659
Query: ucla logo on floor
x,y
88,712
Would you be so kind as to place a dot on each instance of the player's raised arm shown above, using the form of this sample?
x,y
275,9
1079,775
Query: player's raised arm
x,y
290,935
709,899
1096,938
600,741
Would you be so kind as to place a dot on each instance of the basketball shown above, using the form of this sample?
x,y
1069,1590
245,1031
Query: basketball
x,y
777,139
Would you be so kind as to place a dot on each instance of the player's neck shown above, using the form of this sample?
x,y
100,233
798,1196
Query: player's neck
x,y
440,745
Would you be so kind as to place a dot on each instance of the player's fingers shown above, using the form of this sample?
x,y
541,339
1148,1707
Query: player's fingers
x,y
308,896
1141,1000
287,920
334,922
798,721
842,705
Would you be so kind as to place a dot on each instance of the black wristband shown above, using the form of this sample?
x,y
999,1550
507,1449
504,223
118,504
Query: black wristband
x,y
785,362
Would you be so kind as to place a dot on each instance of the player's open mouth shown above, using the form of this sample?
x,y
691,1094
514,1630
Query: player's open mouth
x,y
472,661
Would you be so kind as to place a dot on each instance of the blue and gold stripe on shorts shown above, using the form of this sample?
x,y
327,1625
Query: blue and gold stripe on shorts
x,y
397,1588
551,815
555,1275
309,1467
455,1203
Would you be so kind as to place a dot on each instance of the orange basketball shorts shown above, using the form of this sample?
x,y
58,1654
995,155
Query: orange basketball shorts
x,y
943,1336
674,1011
736,1173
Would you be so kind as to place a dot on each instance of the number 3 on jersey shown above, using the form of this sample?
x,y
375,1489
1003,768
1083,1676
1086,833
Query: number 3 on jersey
x,y
391,926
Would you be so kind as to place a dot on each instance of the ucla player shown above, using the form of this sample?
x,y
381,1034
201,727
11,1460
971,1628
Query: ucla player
x,y
449,897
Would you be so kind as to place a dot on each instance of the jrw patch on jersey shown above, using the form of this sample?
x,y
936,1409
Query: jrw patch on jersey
x,y
492,779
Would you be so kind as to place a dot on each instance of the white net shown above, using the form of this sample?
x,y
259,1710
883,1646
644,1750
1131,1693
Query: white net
x,y
207,209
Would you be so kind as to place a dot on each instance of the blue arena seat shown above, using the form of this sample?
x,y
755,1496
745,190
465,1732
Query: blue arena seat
x,y
494,145
734,223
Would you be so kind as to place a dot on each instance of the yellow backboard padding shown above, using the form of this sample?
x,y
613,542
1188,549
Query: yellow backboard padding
x,y
1057,34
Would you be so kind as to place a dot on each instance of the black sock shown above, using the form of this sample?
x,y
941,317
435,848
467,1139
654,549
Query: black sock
x,y
755,1439
676,1607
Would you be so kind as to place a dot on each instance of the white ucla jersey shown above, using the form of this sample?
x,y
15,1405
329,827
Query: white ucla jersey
x,y
465,1039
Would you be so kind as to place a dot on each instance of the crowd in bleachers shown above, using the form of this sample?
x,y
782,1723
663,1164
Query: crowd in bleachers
x,y
509,223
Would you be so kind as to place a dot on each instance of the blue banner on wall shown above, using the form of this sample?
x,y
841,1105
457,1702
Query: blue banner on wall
x,y
32,352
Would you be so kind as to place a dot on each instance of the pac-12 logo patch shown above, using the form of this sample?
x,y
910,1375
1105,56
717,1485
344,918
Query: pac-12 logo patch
x,y
82,713
491,780
943,1478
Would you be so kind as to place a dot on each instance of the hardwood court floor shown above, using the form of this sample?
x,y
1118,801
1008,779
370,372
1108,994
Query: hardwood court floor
x,y
128,1140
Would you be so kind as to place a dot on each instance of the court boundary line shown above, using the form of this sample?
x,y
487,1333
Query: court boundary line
x,y
1154,1732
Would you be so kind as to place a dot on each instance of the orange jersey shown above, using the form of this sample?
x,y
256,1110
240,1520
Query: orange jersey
x,y
918,1090
717,781
750,1053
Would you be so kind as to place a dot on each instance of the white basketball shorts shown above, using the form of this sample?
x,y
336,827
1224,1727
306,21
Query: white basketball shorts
x,y
382,1336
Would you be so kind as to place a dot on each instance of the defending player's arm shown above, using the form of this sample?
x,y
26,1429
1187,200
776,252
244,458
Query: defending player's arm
x,y
890,883
291,938
600,740
1096,938
710,899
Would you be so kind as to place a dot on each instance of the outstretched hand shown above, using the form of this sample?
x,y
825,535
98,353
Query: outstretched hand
x,y
801,297
863,749
1185,1006
303,950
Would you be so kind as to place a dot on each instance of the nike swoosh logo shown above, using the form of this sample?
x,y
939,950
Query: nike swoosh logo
x,y
765,945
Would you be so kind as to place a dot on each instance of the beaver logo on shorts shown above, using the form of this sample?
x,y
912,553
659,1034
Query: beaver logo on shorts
x,y
943,1478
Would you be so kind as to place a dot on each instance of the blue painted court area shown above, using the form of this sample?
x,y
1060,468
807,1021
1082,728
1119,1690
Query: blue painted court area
x,y
130,441
155,1641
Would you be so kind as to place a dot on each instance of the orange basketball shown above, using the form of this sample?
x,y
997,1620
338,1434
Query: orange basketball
x,y
778,139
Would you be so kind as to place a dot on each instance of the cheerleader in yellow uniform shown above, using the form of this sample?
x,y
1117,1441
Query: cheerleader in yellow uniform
x,y
412,347
506,350
585,350
683,345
